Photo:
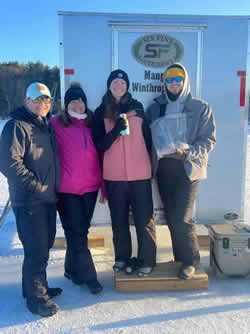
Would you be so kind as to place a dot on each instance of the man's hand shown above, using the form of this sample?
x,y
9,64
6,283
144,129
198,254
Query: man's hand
x,y
182,146
179,154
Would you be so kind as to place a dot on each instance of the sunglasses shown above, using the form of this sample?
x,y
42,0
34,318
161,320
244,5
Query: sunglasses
x,y
176,79
45,99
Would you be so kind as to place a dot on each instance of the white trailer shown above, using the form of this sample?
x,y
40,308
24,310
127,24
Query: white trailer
x,y
216,52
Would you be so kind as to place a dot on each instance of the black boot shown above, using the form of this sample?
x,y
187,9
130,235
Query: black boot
x,y
94,286
45,308
52,292
132,265
73,278
119,266
186,271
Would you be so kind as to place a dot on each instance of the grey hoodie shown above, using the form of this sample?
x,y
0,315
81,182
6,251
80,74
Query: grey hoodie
x,y
178,105
201,131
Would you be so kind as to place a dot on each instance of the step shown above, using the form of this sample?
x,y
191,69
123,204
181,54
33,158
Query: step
x,y
93,242
163,278
204,241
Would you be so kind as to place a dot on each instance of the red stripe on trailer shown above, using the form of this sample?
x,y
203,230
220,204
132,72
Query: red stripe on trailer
x,y
242,90
242,75
69,71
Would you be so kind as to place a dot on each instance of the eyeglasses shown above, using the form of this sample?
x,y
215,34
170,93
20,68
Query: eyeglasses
x,y
176,79
45,99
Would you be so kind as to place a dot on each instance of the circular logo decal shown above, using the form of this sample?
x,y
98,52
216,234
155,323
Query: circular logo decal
x,y
157,50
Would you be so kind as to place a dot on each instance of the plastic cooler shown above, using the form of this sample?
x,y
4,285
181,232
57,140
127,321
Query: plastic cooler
x,y
230,249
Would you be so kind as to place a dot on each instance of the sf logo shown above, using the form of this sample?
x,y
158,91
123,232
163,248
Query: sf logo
x,y
153,50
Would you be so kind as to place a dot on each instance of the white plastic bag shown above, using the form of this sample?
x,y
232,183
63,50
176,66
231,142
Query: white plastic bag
x,y
169,134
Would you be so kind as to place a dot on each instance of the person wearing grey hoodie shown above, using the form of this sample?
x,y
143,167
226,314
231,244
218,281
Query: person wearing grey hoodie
x,y
183,134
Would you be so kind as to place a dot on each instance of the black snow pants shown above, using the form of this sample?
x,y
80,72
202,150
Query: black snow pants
x,y
178,195
76,212
138,195
36,228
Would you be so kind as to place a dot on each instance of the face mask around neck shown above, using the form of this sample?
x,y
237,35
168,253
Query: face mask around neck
x,y
76,115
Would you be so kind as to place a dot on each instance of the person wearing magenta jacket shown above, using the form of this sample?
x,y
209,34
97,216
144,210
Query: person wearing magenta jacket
x,y
80,181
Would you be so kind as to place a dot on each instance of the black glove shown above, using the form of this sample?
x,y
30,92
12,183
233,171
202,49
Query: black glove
x,y
120,125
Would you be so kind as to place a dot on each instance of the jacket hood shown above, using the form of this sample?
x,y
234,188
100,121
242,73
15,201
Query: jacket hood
x,y
186,86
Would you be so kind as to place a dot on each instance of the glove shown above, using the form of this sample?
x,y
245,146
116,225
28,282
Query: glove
x,y
120,125
179,154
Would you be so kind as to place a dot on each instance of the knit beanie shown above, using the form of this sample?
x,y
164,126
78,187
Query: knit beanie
x,y
118,74
174,71
75,92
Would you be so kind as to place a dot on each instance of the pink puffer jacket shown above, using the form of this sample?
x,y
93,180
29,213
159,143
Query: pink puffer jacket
x,y
127,159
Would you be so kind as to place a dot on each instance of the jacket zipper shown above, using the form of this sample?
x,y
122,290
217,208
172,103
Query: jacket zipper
x,y
85,139
125,154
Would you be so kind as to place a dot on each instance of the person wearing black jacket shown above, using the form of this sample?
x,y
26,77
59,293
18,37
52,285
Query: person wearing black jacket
x,y
29,160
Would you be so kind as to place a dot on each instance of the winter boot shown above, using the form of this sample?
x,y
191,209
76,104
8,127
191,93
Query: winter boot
x,y
45,308
131,266
186,271
144,271
94,286
119,266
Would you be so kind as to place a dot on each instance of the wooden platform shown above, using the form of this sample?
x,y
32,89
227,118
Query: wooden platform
x,y
163,278
204,241
93,242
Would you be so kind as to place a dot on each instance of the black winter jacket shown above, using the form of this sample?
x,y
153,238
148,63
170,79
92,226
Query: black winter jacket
x,y
29,159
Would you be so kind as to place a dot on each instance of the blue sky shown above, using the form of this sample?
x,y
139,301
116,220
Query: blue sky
x,y
29,29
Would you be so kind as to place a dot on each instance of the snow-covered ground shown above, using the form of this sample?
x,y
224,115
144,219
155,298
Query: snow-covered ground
x,y
222,309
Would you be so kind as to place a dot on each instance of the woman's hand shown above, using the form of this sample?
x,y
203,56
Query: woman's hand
x,y
102,199
120,125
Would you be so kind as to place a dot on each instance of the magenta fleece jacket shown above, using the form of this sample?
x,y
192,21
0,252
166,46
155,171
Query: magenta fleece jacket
x,y
79,159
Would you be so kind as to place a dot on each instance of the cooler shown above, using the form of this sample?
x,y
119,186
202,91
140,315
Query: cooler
x,y
230,249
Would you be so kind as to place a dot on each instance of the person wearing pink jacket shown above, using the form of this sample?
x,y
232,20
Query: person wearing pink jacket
x,y
80,181
127,174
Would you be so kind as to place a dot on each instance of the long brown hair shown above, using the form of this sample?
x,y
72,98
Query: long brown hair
x,y
112,108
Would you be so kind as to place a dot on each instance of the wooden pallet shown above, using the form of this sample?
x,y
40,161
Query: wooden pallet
x,y
163,278
204,241
93,242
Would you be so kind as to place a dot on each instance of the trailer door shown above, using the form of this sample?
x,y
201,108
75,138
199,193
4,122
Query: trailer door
x,y
144,52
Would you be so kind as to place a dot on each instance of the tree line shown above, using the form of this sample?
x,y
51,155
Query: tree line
x,y
15,78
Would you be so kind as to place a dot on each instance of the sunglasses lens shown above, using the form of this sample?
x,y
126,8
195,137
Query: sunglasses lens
x,y
178,79
45,99
170,80
37,100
